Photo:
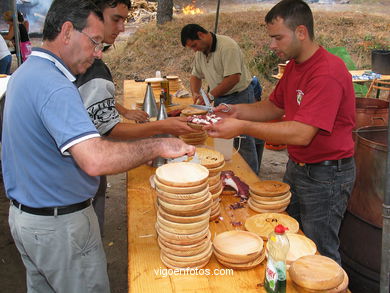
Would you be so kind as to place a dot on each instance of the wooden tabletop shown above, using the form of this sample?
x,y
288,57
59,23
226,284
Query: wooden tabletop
x,y
146,272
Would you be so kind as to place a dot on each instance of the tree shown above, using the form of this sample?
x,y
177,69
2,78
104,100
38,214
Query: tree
x,y
164,11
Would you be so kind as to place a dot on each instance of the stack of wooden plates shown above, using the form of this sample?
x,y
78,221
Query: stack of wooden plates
x,y
269,196
264,224
239,249
155,83
214,162
174,83
196,138
300,246
317,273
184,205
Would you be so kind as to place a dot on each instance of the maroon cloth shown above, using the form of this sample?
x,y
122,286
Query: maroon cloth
x,y
327,101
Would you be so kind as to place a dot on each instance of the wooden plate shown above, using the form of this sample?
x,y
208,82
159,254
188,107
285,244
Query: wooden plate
x,y
210,158
187,213
190,258
186,238
300,245
254,207
188,207
182,174
270,204
183,196
202,244
184,219
316,272
186,252
216,194
269,198
177,265
246,266
180,190
264,224
199,226
182,242
189,111
184,201
227,259
194,141
215,179
239,245
214,171
269,188
216,188
200,134
342,288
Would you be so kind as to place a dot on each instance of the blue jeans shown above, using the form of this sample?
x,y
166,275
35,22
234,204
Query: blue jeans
x,y
319,200
5,65
248,143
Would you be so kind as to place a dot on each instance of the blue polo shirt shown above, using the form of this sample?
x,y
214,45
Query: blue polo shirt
x,y
43,117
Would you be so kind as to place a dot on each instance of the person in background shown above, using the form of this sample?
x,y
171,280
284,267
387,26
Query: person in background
x,y
25,44
316,95
219,61
5,57
52,156
97,90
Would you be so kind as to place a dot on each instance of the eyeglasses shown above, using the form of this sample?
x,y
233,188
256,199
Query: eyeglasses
x,y
97,45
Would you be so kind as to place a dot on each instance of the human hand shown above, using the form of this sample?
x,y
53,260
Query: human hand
x,y
174,147
137,115
225,128
197,98
225,111
177,126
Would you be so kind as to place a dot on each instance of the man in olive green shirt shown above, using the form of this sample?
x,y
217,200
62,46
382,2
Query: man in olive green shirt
x,y
220,62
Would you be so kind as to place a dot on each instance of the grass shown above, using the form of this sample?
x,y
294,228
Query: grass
x,y
154,48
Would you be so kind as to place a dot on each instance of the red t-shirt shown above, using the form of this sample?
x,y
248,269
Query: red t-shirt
x,y
319,92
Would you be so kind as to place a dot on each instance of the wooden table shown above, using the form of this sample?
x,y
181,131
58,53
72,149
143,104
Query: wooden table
x,y
145,267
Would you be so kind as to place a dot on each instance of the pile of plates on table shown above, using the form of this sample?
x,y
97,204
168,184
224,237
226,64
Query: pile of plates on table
x,y
195,138
214,162
264,224
174,83
317,273
239,249
269,196
184,205
155,83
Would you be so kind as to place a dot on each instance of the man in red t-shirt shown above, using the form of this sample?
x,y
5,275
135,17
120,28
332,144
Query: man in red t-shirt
x,y
316,96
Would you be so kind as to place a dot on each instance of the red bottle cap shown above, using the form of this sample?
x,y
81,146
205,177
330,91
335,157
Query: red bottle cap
x,y
280,229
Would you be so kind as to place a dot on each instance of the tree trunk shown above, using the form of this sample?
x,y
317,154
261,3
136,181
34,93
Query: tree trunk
x,y
164,11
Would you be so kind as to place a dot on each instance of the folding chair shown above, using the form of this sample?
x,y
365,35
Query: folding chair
x,y
378,85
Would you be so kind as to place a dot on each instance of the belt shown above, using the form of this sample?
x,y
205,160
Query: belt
x,y
54,211
328,163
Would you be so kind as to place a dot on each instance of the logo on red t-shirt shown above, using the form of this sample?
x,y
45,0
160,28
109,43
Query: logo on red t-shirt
x,y
300,95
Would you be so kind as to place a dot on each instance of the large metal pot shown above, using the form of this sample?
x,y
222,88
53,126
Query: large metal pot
x,y
361,230
380,61
371,112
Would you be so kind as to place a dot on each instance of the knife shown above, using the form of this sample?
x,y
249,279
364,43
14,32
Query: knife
x,y
205,98
202,107
191,159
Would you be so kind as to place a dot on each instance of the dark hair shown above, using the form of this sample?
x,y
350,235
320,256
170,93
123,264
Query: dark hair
x,y
294,13
103,4
20,17
61,11
190,32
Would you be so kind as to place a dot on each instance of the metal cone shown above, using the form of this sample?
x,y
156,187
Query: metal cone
x,y
162,113
150,105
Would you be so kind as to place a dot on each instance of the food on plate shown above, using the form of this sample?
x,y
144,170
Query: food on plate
x,y
198,121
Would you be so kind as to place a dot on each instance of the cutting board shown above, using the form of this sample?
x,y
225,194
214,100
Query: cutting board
x,y
316,272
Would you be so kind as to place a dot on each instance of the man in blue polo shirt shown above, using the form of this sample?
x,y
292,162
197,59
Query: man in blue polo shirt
x,y
52,156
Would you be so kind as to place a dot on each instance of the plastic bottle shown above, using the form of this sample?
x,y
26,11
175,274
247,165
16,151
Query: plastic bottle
x,y
275,271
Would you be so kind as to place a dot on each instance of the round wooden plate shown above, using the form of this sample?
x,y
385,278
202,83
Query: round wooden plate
x,y
183,196
217,194
199,226
300,245
182,242
186,238
316,272
190,258
270,204
187,213
180,201
215,179
210,158
177,265
264,224
229,260
214,171
183,219
239,245
202,244
200,134
269,188
216,188
269,198
182,174
180,190
187,252
342,288
246,266
187,207
189,111
253,206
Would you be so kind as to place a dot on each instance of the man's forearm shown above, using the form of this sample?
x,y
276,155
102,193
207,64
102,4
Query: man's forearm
x,y
133,131
225,85
260,111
